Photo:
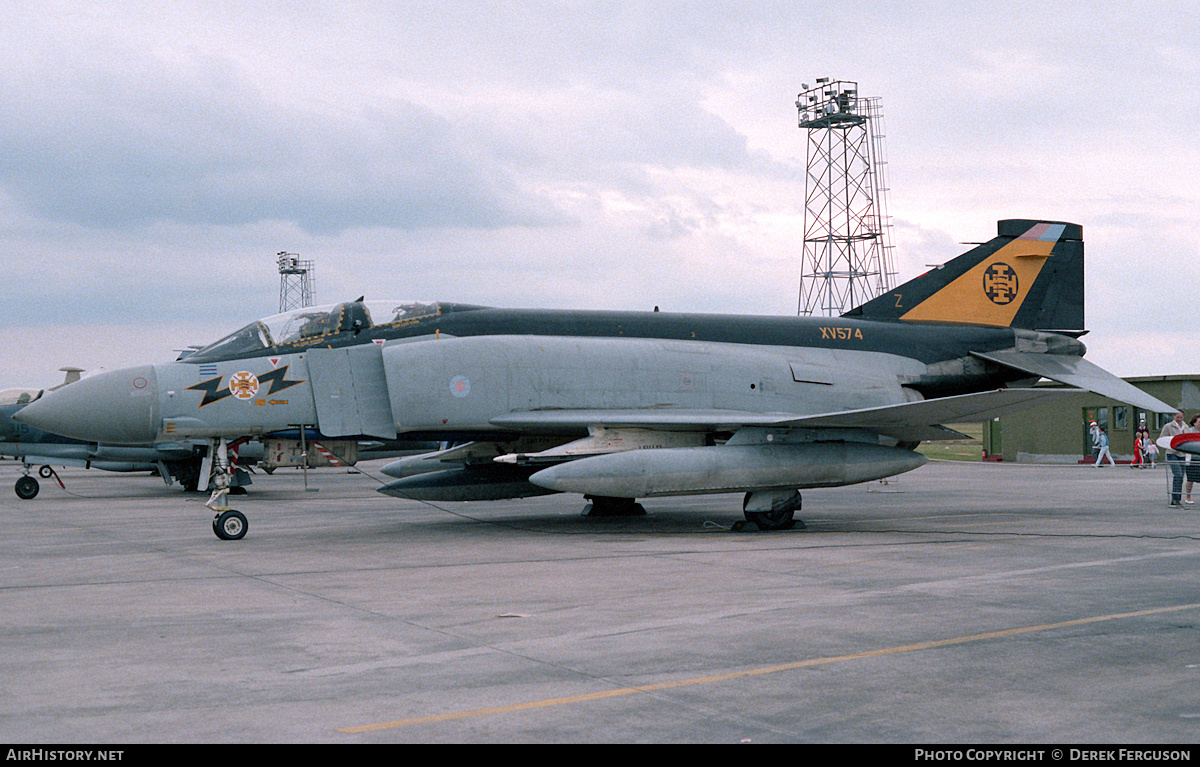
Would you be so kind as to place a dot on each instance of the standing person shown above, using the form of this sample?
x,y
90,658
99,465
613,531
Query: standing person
x,y
1094,430
1191,466
1150,448
1139,447
1147,444
1174,428
1102,442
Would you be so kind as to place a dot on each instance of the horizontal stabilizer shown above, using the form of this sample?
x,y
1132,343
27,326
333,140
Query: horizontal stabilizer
x,y
1078,372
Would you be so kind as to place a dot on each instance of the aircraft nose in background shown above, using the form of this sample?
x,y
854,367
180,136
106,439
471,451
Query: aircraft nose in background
x,y
118,407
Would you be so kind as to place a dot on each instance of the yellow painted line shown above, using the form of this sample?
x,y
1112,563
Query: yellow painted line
x,y
616,693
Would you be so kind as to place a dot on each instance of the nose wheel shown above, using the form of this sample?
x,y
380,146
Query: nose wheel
x,y
27,487
230,525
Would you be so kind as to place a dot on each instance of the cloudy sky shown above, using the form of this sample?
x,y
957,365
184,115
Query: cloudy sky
x,y
154,157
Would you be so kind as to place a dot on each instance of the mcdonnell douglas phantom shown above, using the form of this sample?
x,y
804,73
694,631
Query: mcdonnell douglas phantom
x,y
33,446
626,405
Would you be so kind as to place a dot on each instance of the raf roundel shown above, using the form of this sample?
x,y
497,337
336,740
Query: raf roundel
x,y
460,386
1000,283
243,385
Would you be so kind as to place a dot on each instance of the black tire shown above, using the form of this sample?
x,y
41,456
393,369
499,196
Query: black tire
x,y
27,487
781,516
45,472
784,519
230,525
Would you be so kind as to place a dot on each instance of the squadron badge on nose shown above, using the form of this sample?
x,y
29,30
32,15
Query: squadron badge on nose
x,y
243,385
1000,283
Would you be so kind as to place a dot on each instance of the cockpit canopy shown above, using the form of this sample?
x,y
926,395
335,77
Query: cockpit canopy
x,y
19,396
311,324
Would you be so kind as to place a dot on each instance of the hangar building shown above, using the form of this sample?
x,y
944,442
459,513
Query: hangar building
x,y
1058,432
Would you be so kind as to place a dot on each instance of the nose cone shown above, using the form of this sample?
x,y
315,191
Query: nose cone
x,y
118,407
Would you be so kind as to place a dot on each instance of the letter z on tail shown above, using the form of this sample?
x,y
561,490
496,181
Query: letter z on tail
x,y
1030,276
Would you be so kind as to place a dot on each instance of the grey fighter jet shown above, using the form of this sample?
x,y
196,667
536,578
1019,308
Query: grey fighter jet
x,y
34,447
625,405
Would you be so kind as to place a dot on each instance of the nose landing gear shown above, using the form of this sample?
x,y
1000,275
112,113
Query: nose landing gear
x,y
229,524
27,487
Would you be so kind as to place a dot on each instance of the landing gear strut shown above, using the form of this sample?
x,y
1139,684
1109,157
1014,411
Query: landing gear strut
x,y
228,524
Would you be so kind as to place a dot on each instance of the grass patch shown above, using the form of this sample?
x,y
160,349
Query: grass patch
x,y
970,449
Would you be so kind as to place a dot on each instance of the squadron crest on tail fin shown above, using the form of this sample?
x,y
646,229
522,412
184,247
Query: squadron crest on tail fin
x,y
1029,276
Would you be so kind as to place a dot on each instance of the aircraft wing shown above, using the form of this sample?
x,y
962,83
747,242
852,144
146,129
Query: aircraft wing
x,y
663,419
906,422
921,420
1078,372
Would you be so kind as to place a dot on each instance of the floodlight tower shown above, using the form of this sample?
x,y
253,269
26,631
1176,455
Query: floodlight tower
x,y
847,252
295,282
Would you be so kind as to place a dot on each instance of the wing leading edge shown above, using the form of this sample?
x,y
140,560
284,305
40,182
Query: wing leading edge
x,y
904,422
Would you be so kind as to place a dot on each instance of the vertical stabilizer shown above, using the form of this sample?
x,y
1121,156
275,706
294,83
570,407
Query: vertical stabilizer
x,y
1030,276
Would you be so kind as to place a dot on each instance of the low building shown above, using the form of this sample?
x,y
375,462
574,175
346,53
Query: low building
x,y
1058,432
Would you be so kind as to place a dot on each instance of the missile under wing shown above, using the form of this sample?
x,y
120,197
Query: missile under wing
x,y
622,405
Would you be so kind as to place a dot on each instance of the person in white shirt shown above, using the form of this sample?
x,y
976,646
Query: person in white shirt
x,y
1102,442
1191,471
1174,428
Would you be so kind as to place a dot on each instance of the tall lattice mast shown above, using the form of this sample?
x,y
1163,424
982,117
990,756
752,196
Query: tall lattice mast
x,y
847,251
295,282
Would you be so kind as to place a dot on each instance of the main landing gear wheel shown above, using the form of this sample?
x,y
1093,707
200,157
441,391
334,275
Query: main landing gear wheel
x,y
46,472
27,487
772,510
230,525
772,520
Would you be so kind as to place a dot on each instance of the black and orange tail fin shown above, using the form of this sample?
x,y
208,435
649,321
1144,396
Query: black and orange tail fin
x,y
1030,276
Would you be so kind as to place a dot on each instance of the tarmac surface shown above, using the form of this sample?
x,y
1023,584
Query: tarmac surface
x,y
964,603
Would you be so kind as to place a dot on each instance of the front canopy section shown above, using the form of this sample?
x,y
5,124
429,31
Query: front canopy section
x,y
289,331
19,396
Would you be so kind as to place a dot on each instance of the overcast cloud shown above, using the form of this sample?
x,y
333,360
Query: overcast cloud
x,y
155,157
